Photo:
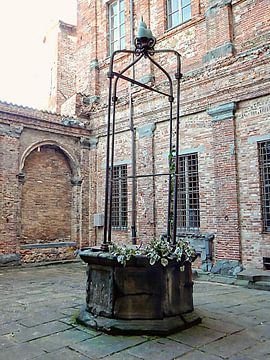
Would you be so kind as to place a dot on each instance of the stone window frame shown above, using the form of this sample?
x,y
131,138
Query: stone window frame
x,y
264,171
191,198
120,198
121,38
178,8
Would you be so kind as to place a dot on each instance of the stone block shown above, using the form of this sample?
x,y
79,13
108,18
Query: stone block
x,y
226,267
138,306
146,130
10,259
219,52
100,290
222,112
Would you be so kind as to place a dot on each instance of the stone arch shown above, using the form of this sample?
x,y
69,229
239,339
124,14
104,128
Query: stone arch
x,y
73,162
50,184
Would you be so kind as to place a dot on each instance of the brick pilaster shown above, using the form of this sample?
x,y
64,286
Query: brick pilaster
x,y
226,183
219,30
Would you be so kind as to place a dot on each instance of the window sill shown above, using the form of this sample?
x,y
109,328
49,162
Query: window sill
x,y
185,25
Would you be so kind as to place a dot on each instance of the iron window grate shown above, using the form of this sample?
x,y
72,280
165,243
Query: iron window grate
x,y
188,217
119,198
264,163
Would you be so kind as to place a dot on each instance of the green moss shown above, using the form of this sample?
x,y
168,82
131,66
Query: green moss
x,y
73,319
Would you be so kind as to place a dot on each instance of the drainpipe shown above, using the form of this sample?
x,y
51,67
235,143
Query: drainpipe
x,y
133,135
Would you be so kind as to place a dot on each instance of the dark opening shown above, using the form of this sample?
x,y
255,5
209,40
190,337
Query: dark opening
x,y
266,263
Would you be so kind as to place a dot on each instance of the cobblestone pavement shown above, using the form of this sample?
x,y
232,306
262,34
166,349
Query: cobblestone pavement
x,y
38,307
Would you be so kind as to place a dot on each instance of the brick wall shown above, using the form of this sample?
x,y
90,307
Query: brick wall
x,y
224,111
224,63
252,126
46,197
43,174
63,71
9,193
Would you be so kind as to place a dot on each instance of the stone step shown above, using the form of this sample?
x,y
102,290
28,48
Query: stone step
x,y
259,285
254,276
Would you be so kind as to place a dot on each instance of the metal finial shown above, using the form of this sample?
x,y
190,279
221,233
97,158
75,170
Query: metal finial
x,y
143,32
145,41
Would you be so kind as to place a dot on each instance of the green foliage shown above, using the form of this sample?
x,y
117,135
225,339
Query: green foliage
x,y
123,252
157,250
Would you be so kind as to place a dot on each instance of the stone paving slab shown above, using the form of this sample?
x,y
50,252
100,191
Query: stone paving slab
x,y
197,336
38,318
159,349
261,351
5,342
198,355
39,331
63,354
241,357
21,352
230,345
38,307
221,326
104,345
65,338
123,355
10,327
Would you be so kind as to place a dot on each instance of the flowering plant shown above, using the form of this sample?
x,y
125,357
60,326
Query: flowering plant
x,y
157,250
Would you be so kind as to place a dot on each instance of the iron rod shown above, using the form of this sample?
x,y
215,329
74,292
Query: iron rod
x,y
169,213
178,77
110,181
112,164
107,168
135,82
169,205
144,175
114,99
133,136
164,72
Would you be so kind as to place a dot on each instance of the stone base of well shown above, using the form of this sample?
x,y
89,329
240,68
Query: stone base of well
x,y
139,298
159,327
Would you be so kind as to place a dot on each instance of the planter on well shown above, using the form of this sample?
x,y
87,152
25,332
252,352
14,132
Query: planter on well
x,y
137,298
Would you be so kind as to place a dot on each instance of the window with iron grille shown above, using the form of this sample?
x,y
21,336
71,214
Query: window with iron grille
x,y
119,198
264,161
188,217
178,11
117,25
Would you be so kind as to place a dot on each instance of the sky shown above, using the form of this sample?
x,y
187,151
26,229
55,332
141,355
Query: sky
x,y
24,73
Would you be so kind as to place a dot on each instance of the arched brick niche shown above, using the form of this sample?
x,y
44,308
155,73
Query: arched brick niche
x,y
46,198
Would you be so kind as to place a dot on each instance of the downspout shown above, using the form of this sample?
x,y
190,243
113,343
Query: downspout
x,y
133,135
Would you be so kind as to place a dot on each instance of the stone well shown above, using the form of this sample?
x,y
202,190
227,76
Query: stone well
x,y
136,299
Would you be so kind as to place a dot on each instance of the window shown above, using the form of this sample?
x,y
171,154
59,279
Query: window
x,y
178,11
264,162
188,193
119,198
117,25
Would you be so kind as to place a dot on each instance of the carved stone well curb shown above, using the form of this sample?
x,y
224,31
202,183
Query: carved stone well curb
x,y
136,299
